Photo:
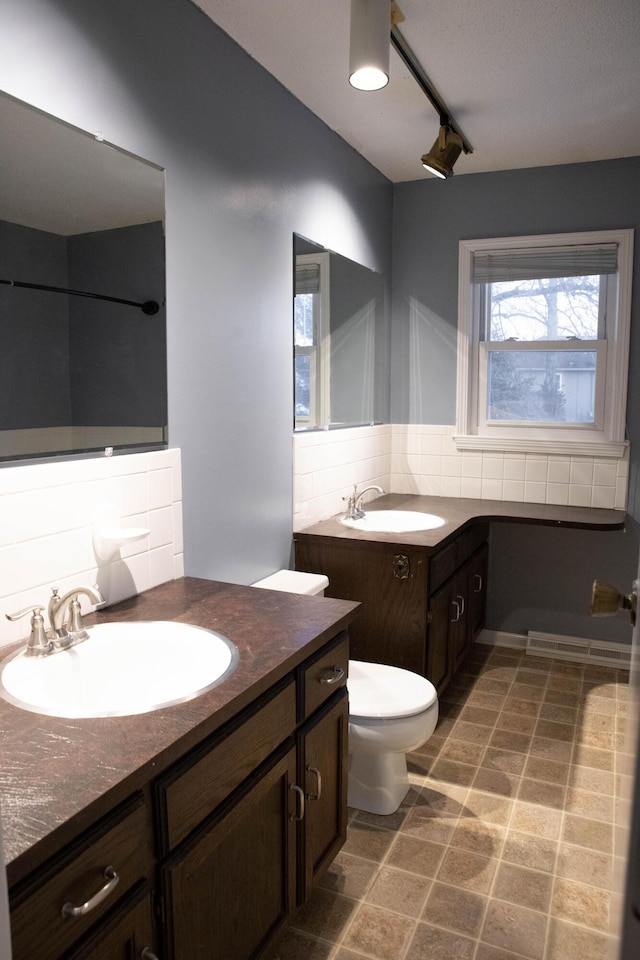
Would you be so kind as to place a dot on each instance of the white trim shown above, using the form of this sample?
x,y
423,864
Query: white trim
x,y
606,442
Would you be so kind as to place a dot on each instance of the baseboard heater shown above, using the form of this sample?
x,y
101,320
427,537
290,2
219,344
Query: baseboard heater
x,y
616,655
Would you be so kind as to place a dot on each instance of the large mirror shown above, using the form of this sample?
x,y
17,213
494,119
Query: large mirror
x,y
341,340
82,316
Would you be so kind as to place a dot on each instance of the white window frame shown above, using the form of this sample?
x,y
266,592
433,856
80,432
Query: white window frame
x,y
606,437
319,352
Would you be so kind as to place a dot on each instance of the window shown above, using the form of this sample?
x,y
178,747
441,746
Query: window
x,y
311,340
543,343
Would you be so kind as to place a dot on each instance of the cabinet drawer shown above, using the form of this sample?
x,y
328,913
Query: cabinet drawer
x,y
442,565
470,540
38,927
198,786
324,675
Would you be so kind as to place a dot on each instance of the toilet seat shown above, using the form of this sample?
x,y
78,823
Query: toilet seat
x,y
380,691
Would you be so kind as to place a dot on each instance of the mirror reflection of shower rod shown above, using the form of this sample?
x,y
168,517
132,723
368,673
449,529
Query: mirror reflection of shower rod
x,y
150,307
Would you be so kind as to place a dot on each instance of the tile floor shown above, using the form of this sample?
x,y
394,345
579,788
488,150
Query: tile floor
x,y
505,847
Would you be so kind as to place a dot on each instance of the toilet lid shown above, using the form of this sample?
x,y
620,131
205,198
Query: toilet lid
x,y
379,690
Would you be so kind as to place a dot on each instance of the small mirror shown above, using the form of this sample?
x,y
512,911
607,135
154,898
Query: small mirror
x,y
341,348
83,361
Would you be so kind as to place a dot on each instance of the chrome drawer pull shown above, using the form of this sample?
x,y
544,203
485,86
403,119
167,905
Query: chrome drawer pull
x,y
112,878
336,676
479,583
318,793
454,603
300,815
147,955
462,605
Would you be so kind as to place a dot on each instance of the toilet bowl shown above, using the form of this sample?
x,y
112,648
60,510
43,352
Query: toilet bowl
x,y
391,712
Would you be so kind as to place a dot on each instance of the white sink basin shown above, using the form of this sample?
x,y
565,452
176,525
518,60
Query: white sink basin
x,y
395,521
121,669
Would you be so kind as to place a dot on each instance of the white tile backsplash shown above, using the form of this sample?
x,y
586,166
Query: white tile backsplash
x,y
423,459
47,516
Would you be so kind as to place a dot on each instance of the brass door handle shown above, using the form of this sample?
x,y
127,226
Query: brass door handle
x,y
606,600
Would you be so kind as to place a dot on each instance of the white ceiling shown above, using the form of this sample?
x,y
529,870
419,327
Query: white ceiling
x,y
529,82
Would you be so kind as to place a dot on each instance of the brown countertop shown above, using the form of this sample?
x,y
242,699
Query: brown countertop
x,y
56,775
461,513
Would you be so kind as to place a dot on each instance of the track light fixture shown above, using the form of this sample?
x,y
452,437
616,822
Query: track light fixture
x,y
444,152
369,44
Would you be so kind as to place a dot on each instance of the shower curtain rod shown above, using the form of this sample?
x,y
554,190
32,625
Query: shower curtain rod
x,y
149,306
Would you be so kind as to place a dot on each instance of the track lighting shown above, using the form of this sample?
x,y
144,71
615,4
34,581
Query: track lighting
x,y
369,44
443,153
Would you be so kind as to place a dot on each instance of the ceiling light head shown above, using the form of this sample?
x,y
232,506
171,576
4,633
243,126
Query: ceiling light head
x,y
443,153
369,44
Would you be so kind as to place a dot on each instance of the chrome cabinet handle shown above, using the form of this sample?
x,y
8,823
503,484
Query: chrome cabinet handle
x,y
455,604
147,955
462,604
335,677
112,878
478,579
295,817
318,776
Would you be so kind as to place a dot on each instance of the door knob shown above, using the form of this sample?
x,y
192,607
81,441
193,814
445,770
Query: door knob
x,y
606,600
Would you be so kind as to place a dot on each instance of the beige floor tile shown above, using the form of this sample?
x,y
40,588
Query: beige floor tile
x,y
581,904
326,915
434,943
560,713
483,715
543,793
296,945
520,885
585,866
593,834
367,841
530,818
427,824
530,851
558,750
478,836
494,781
467,870
472,731
590,778
589,756
379,933
521,706
506,761
459,910
551,730
515,722
552,771
515,928
453,772
570,942
399,891
488,807
596,806
462,751
417,856
349,876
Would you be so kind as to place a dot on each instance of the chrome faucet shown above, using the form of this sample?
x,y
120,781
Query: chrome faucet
x,y
354,502
64,632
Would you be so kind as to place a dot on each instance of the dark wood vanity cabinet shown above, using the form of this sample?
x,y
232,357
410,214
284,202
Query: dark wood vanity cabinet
x,y
219,849
230,887
421,607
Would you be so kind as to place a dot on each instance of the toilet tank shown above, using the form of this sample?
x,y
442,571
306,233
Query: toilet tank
x,y
294,581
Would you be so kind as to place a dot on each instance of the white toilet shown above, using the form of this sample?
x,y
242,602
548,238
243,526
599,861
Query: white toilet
x,y
391,712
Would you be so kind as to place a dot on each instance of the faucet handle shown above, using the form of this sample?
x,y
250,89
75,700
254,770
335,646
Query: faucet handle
x,y
38,644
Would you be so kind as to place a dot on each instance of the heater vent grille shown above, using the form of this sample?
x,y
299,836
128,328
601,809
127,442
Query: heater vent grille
x,y
576,648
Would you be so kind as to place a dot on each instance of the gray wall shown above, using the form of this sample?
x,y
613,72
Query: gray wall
x,y
246,166
540,578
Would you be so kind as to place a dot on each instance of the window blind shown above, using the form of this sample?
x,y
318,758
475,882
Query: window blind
x,y
544,263
308,278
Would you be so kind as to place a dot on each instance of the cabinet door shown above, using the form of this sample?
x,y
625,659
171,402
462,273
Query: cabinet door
x,y
477,592
233,888
323,760
127,935
438,654
390,581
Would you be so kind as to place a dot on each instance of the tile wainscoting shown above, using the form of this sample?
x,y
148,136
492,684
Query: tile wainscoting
x,y
424,460
47,516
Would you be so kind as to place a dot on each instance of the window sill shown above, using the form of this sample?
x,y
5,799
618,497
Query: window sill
x,y
573,448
